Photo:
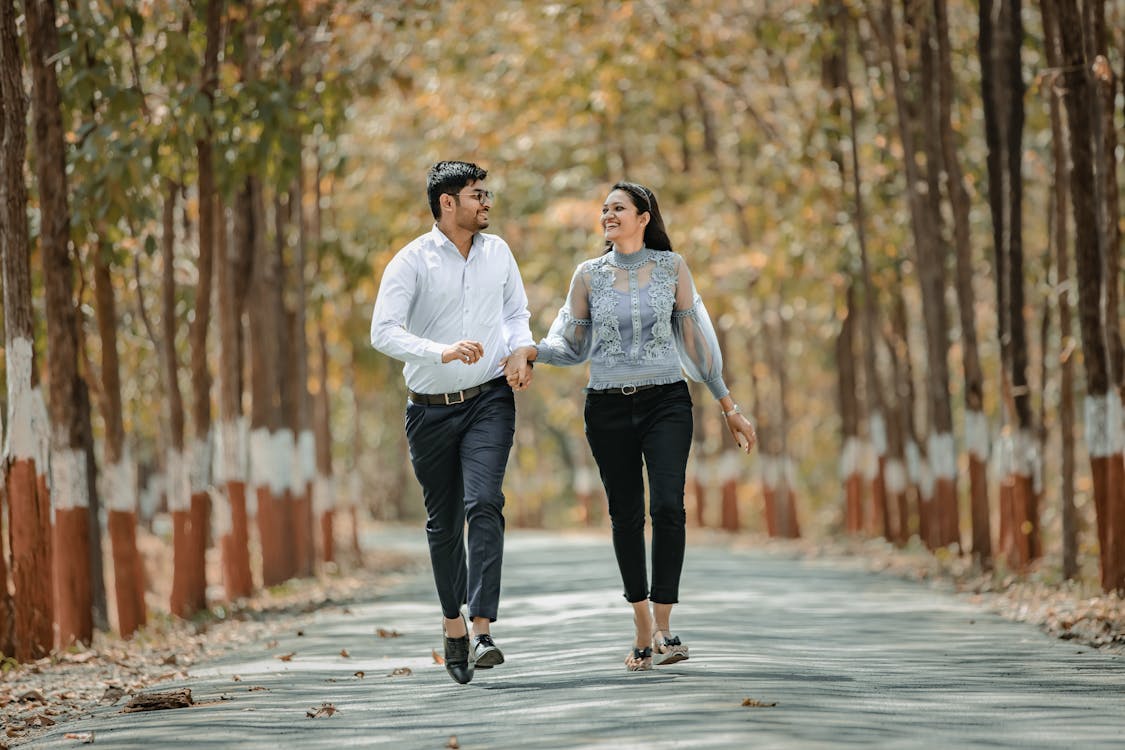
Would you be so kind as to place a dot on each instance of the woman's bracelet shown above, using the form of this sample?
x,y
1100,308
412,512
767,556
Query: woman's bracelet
x,y
736,409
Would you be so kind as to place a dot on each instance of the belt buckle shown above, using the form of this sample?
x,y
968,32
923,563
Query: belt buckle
x,y
454,403
625,390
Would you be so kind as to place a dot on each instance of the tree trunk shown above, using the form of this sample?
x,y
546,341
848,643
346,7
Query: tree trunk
x,y
70,496
1059,237
232,525
1099,408
849,419
1104,148
931,276
26,617
201,447
324,491
976,427
178,489
120,474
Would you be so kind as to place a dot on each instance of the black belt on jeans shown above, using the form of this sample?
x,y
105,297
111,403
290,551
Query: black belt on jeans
x,y
457,397
625,390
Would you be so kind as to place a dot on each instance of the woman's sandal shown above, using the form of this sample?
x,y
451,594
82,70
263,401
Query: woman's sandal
x,y
667,649
639,660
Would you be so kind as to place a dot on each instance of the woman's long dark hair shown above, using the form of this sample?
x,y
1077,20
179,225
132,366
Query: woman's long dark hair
x,y
656,237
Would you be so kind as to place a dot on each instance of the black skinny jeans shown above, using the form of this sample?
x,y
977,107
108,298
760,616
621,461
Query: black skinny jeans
x,y
652,427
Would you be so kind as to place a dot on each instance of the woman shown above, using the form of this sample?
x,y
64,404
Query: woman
x,y
635,315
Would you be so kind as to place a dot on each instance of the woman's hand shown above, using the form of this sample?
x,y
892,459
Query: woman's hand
x,y
742,431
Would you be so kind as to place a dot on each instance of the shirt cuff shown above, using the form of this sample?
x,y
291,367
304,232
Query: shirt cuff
x,y
718,388
433,351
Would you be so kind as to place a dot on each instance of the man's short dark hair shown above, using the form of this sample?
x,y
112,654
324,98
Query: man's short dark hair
x,y
450,177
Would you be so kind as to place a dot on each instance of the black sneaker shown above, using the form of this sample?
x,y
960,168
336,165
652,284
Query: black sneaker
x,y
486,654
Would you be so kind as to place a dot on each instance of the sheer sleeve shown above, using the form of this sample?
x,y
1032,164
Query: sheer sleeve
x,y
695,336
568,341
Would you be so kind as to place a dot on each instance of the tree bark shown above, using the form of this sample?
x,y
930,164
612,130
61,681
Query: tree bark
x,y
70,496
324,492
976,427
232,525
931,277
1089,270
1059,237
27,616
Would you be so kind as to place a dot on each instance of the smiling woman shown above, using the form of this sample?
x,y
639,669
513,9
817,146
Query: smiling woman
x,y
635,315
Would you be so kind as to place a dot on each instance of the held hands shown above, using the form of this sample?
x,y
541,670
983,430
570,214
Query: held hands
x,y
517,369
467,352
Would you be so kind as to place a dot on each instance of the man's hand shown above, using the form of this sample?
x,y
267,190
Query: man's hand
x,y
517,370
467,352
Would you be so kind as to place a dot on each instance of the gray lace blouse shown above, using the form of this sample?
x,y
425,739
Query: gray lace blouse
x,y
639,321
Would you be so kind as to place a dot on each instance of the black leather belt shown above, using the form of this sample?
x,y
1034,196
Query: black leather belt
x,y
457,397
625,390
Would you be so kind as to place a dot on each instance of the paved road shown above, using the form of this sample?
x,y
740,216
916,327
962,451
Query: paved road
x,y
849,658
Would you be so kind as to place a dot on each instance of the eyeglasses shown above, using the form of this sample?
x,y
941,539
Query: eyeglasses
x,y
482,196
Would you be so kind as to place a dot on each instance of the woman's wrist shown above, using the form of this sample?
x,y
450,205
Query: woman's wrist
x,y
728,413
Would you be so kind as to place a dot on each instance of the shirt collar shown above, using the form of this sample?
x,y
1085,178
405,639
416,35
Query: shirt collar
x,y
440,240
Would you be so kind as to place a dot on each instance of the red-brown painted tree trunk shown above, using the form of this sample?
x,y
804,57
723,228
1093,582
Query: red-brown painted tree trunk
x,y
120,475
28,633
1102,402
1060,237
976,433
232,524
70,496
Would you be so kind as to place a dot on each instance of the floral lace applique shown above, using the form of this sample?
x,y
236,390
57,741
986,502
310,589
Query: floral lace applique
x,y
662,298
603,312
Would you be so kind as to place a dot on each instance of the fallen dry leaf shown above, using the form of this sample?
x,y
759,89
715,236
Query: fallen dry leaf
x,y
453,744
86,738
81,658
384,633
757,703
402,672
438,658
236,678
256,688
344,653
42,720
287,657
32,695
325,710
359,675
170,660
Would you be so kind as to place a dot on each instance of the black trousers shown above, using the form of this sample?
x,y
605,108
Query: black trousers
x,y
459,454
651,427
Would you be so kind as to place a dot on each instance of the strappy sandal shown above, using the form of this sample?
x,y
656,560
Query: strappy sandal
x,y
639,660
667,649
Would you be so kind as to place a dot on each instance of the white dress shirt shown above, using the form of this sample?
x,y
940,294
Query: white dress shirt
x,y
431,297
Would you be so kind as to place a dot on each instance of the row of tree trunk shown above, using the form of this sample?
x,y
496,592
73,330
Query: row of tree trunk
x,y
913,51
53,516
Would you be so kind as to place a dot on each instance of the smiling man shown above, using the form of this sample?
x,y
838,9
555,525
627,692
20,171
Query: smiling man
x,y
451,305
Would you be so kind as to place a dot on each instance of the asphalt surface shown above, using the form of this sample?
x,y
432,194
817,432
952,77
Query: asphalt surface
x,y
827,655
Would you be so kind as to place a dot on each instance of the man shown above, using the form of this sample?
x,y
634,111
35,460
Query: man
x,y
452,306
